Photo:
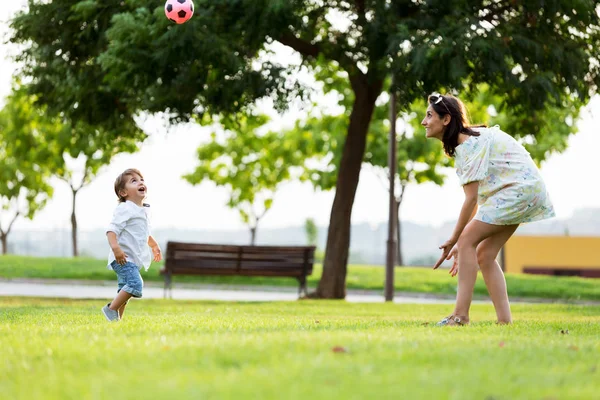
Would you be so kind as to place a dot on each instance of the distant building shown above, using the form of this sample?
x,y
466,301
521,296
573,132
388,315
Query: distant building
x,y
552,255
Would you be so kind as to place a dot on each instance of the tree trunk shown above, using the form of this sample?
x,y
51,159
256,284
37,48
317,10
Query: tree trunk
x,y
252,235
333,281
74,226
399,258
4,238
4,234
398,203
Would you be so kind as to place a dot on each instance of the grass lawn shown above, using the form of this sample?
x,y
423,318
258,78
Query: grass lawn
x,y
65,349
422,280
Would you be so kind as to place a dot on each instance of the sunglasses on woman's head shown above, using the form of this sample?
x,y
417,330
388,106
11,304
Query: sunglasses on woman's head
x,y
436,98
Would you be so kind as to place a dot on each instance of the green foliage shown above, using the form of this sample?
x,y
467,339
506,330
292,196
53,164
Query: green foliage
x,y
249,163
24,172
68,37
419,159
312,232
542,132
102,62
105,61
49,140
95,144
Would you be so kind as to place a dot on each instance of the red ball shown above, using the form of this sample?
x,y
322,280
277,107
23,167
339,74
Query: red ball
x,y
179,11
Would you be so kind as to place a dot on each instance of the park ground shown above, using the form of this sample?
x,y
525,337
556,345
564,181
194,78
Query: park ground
x,y
165,349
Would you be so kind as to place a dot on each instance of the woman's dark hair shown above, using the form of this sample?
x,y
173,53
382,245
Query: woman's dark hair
x,y
459,121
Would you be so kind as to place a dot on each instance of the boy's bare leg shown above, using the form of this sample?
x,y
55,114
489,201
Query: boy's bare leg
x,y
119,300
122,310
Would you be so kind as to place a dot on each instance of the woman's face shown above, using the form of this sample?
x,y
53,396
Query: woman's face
x,y
434,125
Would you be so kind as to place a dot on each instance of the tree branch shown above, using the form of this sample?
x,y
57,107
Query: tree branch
x,y
303,47
308,49
360,6
11,224
402,189
82,183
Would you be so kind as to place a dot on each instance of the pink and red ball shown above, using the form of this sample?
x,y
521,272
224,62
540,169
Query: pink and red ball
x,y
179,11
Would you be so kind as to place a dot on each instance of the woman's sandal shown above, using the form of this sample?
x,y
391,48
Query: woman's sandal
x,y
451,321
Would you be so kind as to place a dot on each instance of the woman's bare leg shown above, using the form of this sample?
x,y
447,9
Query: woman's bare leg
x,y
487,252
475,233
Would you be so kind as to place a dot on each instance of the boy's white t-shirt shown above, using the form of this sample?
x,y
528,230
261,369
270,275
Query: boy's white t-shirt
x,y
131,223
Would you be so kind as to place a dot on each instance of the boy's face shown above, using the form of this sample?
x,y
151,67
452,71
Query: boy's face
x,y
135,189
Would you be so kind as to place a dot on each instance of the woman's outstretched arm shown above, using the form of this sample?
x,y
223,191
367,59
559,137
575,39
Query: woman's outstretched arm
x,y
467,212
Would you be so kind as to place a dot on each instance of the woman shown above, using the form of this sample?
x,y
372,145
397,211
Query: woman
x,y
503,188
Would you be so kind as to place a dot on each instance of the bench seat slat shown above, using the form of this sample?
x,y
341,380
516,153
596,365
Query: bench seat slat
x,y
180,255
230,272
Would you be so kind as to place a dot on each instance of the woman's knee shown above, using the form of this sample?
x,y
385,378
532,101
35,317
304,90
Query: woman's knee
x,y
465,243
485,255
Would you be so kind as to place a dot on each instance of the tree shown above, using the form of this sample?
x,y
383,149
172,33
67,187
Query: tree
x,y
90,146
252,165
57,140
531,53
23,192
24,187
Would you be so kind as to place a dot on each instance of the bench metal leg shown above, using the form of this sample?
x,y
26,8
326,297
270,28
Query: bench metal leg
x,y
302,286
168,286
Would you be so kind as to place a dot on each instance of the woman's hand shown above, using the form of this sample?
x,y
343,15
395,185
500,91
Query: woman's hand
x,y
446,249
453,254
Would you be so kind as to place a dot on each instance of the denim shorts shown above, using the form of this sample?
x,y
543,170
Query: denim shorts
x,y
128,278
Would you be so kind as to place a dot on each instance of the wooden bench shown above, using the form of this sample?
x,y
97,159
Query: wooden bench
x,y
218,260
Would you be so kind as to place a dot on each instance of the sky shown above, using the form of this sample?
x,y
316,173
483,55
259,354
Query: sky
x,y
571,179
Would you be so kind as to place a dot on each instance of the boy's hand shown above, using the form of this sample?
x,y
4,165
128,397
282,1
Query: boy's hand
x,y
157,253
120,256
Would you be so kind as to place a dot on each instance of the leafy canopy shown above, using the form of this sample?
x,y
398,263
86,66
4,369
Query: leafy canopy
x,y
105,61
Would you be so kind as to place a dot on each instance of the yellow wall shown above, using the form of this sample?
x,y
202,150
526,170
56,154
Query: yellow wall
x,y
560,252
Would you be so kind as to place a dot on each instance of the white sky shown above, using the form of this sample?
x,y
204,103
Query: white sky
x,y
571,179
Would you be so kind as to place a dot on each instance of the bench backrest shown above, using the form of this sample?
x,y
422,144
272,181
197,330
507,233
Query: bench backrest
x,y
215,259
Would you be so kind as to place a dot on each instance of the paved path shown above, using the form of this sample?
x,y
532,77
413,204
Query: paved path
x,y
31,287
106,290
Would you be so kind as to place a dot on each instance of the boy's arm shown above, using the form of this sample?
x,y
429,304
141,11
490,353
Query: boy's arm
x,y
114,245
151,241
155,248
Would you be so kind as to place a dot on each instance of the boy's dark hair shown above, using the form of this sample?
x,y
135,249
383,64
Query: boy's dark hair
x,y
122,180
459,121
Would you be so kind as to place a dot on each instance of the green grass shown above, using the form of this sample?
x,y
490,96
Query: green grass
x,y
64,349
422,280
